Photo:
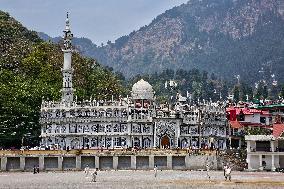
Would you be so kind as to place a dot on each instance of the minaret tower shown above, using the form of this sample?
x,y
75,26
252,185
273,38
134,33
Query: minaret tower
x,y
67,71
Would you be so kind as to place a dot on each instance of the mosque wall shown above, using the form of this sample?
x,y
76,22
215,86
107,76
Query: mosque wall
x,y
106,162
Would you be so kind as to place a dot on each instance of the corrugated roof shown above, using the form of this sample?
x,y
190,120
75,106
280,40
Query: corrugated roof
x,y
278,129
236,124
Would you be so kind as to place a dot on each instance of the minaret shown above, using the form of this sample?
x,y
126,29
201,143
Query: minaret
x,y
67,90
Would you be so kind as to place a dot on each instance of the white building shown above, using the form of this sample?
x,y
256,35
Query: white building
x,y
128,122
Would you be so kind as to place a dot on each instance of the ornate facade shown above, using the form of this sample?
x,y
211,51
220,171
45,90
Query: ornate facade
x,y
136,121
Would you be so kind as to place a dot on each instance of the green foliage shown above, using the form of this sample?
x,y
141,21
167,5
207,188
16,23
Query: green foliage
x,y
30,71
257,131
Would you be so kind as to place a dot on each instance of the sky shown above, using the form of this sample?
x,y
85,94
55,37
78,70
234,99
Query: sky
x,y
98,20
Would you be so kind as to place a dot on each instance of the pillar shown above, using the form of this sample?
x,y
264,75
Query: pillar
x,y
41,162
272,146
169,162
60,162
3,163
260,163
115,162
187,164
273,168
22,163
151,162
154,144
248,146
112,142
78,162
133,162
97,162
249,162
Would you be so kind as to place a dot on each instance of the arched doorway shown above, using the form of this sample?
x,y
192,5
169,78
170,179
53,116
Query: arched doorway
x,y
165,142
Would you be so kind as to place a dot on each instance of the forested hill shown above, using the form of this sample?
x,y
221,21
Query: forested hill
x,y
227,37
30,70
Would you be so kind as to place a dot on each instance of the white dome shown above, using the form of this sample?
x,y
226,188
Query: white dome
x,y
142,90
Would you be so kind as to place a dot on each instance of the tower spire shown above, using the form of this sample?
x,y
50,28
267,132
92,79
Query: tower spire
x,y
67,70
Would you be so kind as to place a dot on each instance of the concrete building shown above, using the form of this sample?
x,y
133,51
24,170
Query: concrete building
x,y
266,152
135,121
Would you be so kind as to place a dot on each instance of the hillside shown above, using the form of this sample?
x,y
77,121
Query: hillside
x,y
227,37
30,70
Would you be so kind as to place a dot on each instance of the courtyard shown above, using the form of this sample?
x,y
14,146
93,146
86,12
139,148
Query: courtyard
x,y
141,179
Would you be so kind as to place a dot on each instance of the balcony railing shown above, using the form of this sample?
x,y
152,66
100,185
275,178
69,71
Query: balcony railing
x,y
263,149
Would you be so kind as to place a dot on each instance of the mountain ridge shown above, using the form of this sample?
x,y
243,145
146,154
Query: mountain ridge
x,y
226,37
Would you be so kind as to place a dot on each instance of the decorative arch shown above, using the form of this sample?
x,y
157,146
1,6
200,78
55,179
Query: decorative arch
x,y
75,143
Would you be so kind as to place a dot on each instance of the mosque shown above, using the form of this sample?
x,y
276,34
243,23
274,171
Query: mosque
x,y
132,122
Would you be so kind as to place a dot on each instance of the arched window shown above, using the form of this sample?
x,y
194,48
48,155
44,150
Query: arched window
x,y
57,129
109,112
136,142
184,143
147,143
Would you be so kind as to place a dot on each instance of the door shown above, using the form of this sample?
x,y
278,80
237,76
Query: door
x,y
165,142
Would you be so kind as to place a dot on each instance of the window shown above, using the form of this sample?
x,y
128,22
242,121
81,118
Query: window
x,y
86,129
123,127
136,128
116,128
146,128
57,129
49,129
94,128
117,141
101,128
63,129
147,143
108,128
108,142
262,120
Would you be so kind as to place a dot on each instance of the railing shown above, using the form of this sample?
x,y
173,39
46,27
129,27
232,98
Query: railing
x,y
263,149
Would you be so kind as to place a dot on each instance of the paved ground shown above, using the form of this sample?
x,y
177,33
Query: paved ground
x,y
141,179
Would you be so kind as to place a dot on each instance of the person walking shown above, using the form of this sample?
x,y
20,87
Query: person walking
x,y
35,169
207,170
224,168
155,170
94,175
228,173
87,170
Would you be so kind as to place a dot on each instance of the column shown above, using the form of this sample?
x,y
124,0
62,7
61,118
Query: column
x,y
97,162
22,163
140,138
249,162
272,146
260,163
224,144
3,163
187,164
60,162
273,163
151,161
115,162
133,162
248,146
41,163
111,142
78,162
169,162
240,143
154,134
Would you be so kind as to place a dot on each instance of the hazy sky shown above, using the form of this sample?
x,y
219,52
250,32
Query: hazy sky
x,y
99,20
